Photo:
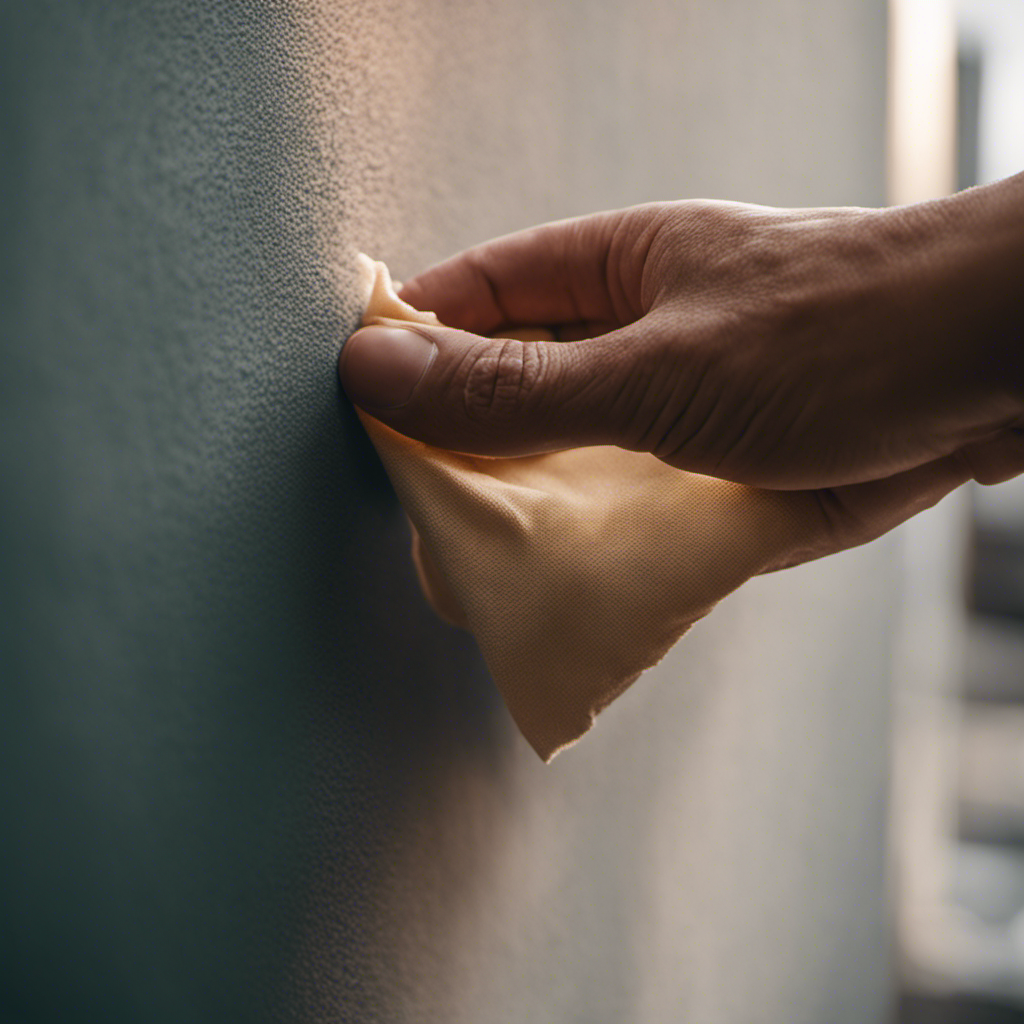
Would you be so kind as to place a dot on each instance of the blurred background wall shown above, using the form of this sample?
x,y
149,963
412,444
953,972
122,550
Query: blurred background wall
x,y
958,822
245,774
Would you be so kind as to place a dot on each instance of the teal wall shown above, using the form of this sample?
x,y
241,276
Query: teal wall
x,y
245,774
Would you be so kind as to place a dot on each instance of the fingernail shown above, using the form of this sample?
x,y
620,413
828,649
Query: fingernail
x,y
381,366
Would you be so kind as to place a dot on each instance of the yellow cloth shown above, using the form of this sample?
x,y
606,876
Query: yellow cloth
x,y
577,570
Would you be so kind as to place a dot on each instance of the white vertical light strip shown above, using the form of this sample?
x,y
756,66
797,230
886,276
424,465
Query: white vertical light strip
x,y
996,28
921,128
921,149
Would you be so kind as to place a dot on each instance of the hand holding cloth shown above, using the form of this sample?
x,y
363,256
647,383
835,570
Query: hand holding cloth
x,y
575,570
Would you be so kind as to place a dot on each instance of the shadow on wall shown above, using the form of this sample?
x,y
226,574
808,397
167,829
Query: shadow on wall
x,y
221,684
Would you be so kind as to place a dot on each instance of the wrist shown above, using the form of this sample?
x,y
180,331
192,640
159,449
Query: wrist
x,y
957,273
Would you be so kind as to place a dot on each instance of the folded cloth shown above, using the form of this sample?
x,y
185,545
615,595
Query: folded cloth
x,y
576,570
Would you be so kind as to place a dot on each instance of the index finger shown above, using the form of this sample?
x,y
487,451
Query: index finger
x,y
587,269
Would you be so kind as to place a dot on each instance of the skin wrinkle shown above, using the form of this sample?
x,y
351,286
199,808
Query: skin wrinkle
x,y
567,273
742,427
613,269
482,384
659,439
774,407
709,424
501,392
471,359
621,310
506,395
639,256
687,388
606,369
621,399
503,317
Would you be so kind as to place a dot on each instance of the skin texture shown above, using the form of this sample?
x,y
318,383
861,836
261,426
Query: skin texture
x,y
874,357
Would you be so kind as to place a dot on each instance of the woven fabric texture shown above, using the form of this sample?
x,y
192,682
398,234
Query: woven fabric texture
x,y
576,570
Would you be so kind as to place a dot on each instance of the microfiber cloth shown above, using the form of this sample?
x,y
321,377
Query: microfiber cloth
x,y
574,570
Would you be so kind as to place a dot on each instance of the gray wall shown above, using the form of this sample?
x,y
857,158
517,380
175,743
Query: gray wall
x,y
245,774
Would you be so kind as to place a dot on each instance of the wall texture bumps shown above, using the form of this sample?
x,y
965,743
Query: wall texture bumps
x,y
245,774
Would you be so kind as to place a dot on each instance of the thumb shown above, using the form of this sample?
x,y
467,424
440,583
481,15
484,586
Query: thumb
x,y
495,396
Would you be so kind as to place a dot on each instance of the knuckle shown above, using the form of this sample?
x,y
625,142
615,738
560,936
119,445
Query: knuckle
x,y
500,378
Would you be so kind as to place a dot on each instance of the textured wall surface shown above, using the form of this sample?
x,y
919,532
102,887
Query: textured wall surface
x,y
245,774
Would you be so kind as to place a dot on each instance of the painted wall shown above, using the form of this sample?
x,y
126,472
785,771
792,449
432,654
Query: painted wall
x,y
245,774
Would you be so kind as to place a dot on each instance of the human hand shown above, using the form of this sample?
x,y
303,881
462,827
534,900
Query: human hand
x,y
781,348
810,349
